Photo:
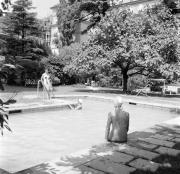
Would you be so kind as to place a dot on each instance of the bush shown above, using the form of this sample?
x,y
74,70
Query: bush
x,y
137,82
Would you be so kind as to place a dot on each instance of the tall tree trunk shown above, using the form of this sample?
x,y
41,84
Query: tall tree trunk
x,y
23,36
125,81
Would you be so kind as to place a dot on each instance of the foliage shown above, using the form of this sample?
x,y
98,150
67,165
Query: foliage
x,y
145,43
86,61
24,43
137,82
70,15
22,29
56,65
67,15
4,6
172,4
19,24
4,115
3,120
110,78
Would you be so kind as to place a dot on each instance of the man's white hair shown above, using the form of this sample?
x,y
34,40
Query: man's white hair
x,y
118,101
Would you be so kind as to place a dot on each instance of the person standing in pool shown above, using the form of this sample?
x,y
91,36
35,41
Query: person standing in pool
x,y
117,124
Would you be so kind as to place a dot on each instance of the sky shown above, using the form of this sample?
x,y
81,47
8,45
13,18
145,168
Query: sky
x,y
43,7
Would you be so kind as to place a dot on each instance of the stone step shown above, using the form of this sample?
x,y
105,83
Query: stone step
x,y
108,166
119,157
3,171
143,145
83,169
158,142
173,135
169,151
177,140
144,165
136,152
162,137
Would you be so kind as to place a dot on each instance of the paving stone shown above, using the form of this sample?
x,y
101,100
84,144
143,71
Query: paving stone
x,y
173,135
3,172
30,171
177,131
119,157
103,148
172,128
163,127
83,170
139,152
44,168
158,142
108,166
177,140
144,164
169,151
144,145
176,135
162,137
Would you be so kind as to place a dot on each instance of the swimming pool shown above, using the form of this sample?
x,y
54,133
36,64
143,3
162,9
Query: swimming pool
x,y
42,136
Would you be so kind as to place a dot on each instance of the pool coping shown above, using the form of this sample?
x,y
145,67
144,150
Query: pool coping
x,y
70,105
32,107
130,101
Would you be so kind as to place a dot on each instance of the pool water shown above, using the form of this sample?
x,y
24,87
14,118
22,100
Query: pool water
x,y
43,136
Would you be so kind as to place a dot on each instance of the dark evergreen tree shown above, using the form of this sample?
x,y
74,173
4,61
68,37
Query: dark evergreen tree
x,y
70,14
23,37
19,24
172,5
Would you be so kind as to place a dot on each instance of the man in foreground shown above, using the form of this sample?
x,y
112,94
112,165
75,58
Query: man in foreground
x,y
117,123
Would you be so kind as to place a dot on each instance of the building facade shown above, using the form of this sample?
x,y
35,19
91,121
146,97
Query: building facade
x,y
135,5
54,30
46,22
50,30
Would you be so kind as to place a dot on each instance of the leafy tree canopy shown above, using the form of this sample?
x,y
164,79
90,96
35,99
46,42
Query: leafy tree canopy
x,y
144,43
172,4
4,6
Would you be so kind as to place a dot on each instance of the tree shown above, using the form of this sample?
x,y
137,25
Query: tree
x,y
4,6
23,38
19,24
70,15
3,119
145,43
172,4
86,60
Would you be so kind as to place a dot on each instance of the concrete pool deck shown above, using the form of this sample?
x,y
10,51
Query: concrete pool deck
x,y
138,153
